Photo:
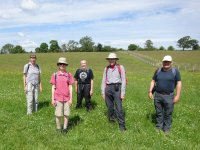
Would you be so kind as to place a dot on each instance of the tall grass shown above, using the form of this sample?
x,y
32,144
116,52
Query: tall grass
x,y
91,130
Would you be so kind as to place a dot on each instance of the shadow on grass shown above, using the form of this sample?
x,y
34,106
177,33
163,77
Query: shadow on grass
x,y
43,104
151,117
74,121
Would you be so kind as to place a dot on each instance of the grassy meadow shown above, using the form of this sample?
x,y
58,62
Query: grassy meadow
x,y
91,130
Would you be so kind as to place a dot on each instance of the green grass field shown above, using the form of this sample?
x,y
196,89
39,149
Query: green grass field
x,y
91,130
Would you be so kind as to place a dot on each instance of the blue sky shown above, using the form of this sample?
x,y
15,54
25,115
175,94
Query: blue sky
x,y
117,23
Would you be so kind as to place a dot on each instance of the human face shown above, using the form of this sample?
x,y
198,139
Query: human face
x,y
33,60
83,64
112,61
62,66
167,65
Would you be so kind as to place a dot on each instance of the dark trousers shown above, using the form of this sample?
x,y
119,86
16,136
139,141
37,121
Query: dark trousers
x,y
114,104
83,92
164,107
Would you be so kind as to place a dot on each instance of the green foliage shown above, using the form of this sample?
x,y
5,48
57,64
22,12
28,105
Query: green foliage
x,y
187,42
171,48
7,48
148,45
91,130
17,49
54,47
132,47
72,46
86,44
161,48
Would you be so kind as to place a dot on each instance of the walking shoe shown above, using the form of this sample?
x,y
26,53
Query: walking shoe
x,y
58,130
166,132
122,129
65,131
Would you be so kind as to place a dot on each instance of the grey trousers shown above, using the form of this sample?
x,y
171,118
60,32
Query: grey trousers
x,y
114,104
164,107
32,92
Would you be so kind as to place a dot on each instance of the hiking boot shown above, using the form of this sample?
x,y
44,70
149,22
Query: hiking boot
x,y
65,131
122,129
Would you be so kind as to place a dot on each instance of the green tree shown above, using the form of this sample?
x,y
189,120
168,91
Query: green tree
x,y
44,48
64,47
7,48
18,49
54,47
72,46
161,48
194,44
149,45
86,44
37,50
171,48
99,47
184,42
132,47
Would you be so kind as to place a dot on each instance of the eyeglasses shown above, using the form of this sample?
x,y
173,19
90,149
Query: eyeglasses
x,y
62,64
33,57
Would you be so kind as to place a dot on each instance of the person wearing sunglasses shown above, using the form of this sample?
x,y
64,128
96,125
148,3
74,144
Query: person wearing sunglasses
x,y
32,84
61,82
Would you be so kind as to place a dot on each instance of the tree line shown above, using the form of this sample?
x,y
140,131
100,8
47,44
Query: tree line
x,y
86,44
185,42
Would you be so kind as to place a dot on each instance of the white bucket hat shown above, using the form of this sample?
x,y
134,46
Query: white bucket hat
x,y
62,60
112,56
167,58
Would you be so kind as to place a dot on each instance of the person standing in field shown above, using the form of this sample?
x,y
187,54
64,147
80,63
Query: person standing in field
x,y
84,85
32,84
113,90
163,83
62,94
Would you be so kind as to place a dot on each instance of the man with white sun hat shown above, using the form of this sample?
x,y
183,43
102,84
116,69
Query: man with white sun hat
x,y
164,81
113,89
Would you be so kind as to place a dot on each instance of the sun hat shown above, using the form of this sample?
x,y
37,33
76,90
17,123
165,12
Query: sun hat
x,y
112,56
62,60
167,58
32,55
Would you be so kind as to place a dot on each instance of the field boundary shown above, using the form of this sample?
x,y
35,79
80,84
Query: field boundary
x,y
157,63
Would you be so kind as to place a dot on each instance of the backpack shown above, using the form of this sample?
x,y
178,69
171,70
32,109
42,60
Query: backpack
x,y
55,77
35,65
119,70
158,71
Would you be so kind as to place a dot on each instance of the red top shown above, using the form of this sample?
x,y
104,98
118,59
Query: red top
x,y
62,82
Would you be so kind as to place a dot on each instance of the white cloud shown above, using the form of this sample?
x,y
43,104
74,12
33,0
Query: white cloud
x,y
21,34
28,5
28,44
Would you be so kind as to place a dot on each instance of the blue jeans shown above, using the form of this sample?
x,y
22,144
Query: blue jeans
x,y
164,107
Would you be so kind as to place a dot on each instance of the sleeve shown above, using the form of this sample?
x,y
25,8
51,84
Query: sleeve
x,y
25,68
76,75
103,83
52,81
123,78
178,76
71,79
40,70
154,75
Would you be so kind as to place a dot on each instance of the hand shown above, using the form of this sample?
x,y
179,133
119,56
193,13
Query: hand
x,y
25,89
176,99
53,102
70,102
103,96
122,97
91,92
151,95
40,89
